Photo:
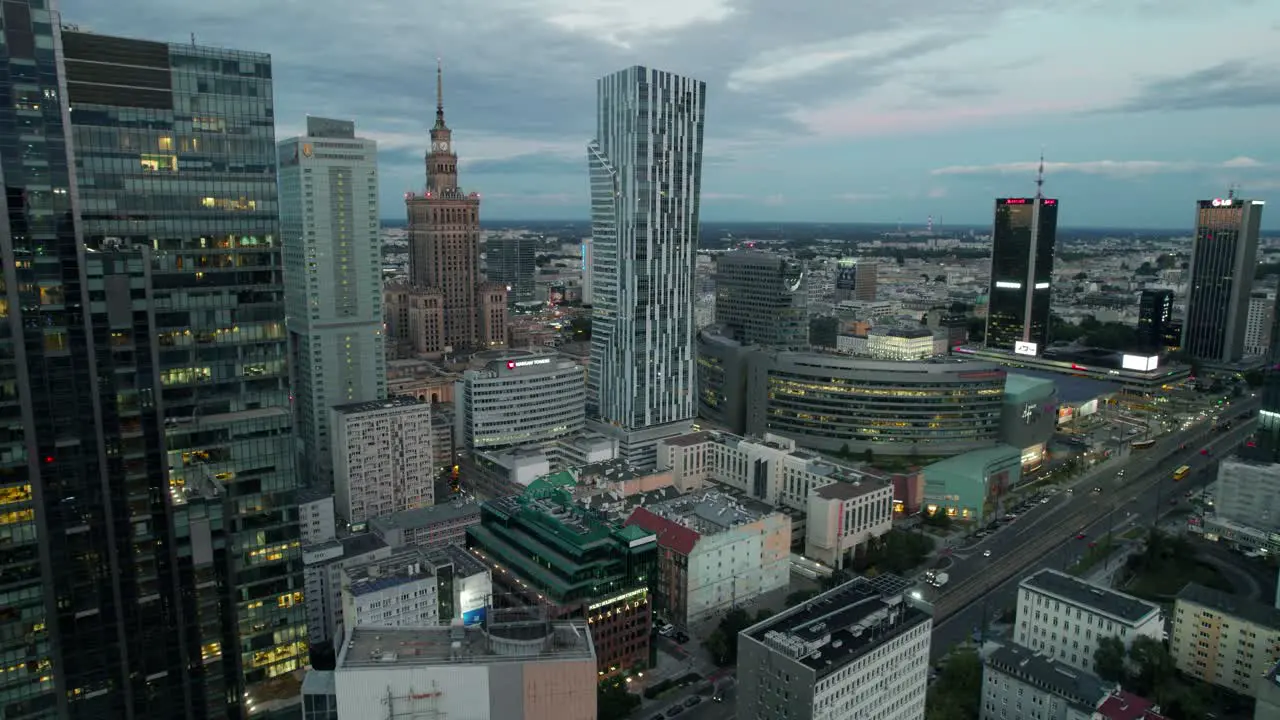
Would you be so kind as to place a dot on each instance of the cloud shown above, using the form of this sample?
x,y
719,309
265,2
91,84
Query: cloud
x,y
1113,168
725,197
1231,84
937,193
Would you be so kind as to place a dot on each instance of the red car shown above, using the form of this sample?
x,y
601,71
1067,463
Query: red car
x,y
1079,536
1204,451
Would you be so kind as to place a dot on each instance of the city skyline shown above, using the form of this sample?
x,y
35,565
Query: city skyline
x,y
813,121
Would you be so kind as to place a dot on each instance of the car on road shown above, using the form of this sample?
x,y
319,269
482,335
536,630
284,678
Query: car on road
x,y
1120,474
1080,536
675,711
1204,451
986,553
1096,490
693,701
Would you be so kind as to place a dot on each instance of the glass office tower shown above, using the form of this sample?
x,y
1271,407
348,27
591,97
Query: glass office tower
x,y
176,159
1223,261
762,299
646,173
1022,246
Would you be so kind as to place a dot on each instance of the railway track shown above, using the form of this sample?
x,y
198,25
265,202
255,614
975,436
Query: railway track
x,y
1005,568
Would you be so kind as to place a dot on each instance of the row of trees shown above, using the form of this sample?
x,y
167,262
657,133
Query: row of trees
x,y
723,641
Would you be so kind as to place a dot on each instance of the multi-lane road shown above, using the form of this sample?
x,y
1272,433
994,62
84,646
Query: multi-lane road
x,y
1046,536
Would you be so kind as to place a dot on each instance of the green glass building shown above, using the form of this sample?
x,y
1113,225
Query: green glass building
x,y
544,548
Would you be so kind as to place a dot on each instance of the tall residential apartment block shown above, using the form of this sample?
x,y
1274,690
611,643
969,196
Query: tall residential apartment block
x,y
329,227
174,152
444,246
1257,331
511,261
860,650
1224,639
1223,260
1022,247
646,172
761,299
1064,617
382,458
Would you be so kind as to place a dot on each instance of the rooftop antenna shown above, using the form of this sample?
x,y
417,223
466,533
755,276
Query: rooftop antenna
x,y
1040,178
1231,191
193,39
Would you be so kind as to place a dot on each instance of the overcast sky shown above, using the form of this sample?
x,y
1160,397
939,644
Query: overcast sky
x,y
825,110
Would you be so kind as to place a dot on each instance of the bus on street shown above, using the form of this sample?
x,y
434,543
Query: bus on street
x,y
1181,472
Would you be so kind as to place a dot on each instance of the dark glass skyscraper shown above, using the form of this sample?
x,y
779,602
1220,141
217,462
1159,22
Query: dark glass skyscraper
x,y
1223,262
762,299
1022,246
512,261
176,163
1155,313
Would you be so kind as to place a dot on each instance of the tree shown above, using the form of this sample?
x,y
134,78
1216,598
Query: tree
x,y
1108,659
868,457
723,642
977,330
613,702
957,693
844,451
580,329
1081,276
1151,666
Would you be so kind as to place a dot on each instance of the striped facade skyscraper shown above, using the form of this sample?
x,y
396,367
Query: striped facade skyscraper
x,y
646,175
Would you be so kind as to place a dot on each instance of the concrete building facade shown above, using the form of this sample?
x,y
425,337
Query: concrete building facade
x,y
844,516
330,229
1064,617
860,650
1224,639
382,458
1021,683
534,670
716,553
518,399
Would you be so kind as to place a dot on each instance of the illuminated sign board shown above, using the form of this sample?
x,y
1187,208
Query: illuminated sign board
x,y
513,364
1008,285
1042,286
1223,202
642,592
1025,348
1140,363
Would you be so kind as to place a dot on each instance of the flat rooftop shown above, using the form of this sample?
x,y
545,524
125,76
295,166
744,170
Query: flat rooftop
x,y
390,403
1080,689
404,566
708,512
422,517
371,647
464,563
1126,608
1258,613
841,625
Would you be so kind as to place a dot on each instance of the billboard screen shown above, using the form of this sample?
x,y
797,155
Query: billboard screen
x,y
1140,363
1024,348
472,596
1088,408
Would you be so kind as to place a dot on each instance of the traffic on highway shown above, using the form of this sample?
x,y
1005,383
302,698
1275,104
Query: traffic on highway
x,y
1137,487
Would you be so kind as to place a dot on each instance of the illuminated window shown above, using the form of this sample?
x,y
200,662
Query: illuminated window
x,y
165,144
159,163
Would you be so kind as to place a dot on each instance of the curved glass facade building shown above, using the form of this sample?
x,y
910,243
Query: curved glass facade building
x,y
832,402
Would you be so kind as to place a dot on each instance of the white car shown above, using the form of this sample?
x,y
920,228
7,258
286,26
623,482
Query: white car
x,y
986,553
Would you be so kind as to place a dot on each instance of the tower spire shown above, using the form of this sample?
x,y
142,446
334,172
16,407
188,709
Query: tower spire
x,y
439,94
1040,178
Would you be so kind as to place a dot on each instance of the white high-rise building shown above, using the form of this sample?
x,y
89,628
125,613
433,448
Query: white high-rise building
x,y
382,459
333,280
646,173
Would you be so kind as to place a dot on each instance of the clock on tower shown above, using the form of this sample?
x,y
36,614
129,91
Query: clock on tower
x,y
441,146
